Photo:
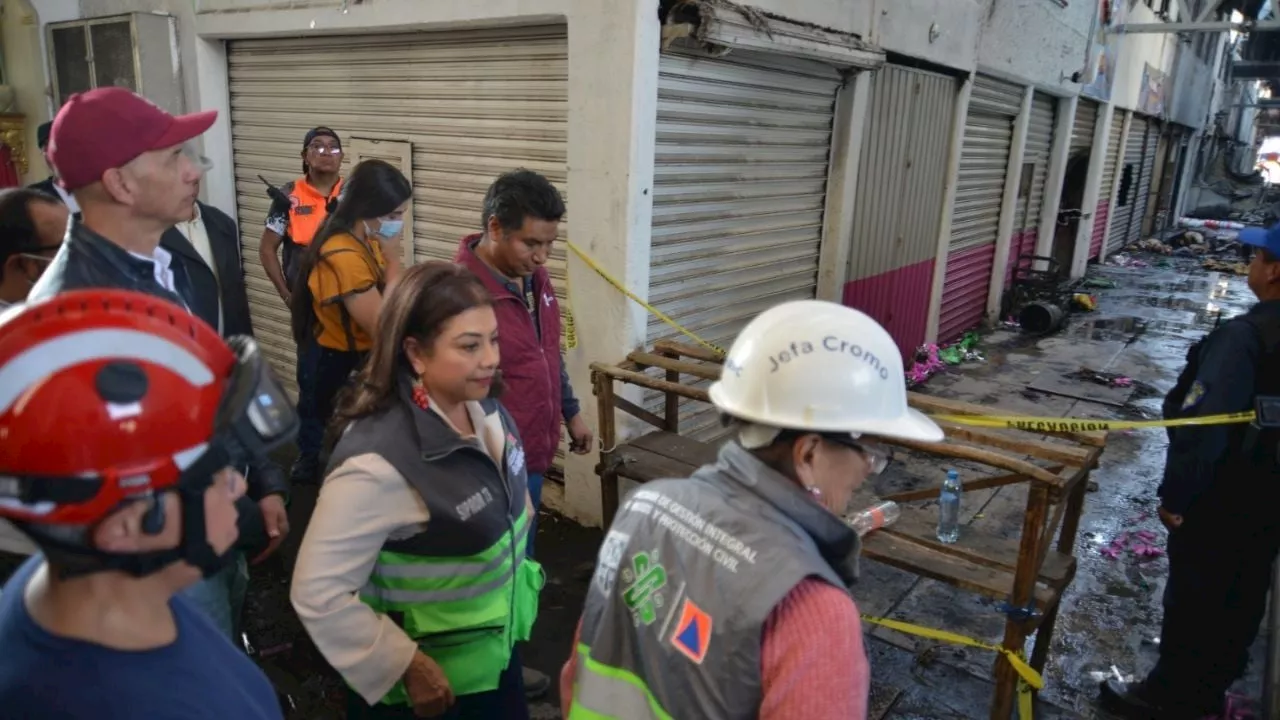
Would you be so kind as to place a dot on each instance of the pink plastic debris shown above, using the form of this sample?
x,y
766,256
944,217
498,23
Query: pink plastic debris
x,y
1111,552
1146,535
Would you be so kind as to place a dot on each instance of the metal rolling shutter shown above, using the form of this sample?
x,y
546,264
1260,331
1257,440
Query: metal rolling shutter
x,y
1085,123
472,104
1121,221
975,219
1039,145
1144,181
743,144
1110,163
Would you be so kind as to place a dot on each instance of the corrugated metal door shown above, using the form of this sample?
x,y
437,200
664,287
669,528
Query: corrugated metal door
x,y
975,217
1111,162
1035,164
1144,180
901,188
1131,170
473,104
1085,123
741,175
743,145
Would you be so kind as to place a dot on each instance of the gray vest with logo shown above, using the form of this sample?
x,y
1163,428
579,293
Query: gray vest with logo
x,y
471,499
686,578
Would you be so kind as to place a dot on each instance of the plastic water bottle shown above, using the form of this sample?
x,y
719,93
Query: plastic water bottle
x,y
949,508
875,517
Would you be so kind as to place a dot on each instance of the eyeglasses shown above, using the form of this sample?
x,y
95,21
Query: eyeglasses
x,y
876,455
324,150
37,258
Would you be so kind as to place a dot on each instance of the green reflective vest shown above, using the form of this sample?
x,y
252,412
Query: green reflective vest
x,y
462,588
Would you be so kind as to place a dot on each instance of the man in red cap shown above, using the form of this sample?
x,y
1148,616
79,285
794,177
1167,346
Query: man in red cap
x,y
134,171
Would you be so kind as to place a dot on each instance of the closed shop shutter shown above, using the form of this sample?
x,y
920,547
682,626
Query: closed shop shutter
x,y
470,104
1131,170
1144,181
743,145
975,217
1035,160
902,181
1110,164
1085,123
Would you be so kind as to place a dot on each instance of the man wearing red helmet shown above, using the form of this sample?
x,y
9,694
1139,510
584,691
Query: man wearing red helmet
x,y
135,172
123,417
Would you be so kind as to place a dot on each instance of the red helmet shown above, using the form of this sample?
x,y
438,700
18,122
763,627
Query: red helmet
x,y
109,395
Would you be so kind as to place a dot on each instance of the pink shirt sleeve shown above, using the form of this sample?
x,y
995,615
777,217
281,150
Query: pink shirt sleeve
x,y
812,661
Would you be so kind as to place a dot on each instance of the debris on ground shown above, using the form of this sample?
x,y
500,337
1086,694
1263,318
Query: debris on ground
x,y
1102,378
1084,302
1099,283
1124,260
1138,542
1222,266
931,358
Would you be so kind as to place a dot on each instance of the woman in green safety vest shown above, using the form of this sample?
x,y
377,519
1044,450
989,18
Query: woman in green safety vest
x,y
412,577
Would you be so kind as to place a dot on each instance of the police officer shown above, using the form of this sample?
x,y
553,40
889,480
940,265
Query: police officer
x,y
1218,501
727,595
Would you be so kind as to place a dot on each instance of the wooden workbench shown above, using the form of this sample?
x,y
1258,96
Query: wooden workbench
x,y
1024,572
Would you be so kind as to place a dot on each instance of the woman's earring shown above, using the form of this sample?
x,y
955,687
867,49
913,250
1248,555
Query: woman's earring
x,y
815,491
420,396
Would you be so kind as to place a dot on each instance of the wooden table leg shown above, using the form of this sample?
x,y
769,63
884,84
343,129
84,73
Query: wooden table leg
x,y
1066,546
608,441
608,497
1016,629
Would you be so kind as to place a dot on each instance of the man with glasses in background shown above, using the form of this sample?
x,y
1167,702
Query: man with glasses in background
x,y
298,209
32,224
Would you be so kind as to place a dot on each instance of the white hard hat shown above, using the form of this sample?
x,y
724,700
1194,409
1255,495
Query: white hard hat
x,y
818,366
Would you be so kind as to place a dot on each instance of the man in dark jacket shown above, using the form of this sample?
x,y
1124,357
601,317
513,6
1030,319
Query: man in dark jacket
x,y
49,185
1217,499
134,172
522,212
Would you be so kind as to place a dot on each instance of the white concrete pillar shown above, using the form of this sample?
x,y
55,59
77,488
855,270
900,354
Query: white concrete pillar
x,y
613,106
1092,189
842,186
948,205
1066,118
1009,204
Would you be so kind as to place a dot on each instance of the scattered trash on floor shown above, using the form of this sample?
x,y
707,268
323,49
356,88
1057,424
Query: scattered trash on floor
x,y
1233,268
932,358
1139,543
1101,378
1124,260
1085,302
1099,283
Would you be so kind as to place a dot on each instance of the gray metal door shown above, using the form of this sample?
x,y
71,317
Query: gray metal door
x,y
1102,216
1035,166
1129,173
975,216
1144,180
743,144
901,187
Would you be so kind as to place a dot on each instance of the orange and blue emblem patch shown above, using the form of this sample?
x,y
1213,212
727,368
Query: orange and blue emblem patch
x,y
693,632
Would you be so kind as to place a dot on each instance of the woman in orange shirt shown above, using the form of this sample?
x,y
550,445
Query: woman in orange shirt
x,y
347,269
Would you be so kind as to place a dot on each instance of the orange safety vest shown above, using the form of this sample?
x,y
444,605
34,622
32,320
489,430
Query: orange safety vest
x,y
307,209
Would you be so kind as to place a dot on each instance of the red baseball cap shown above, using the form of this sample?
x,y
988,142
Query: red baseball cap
x,y
107,127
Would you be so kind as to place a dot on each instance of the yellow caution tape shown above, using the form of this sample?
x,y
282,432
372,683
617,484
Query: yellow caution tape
x,y
569,338
1028,678
1076,425
1015,422
625,291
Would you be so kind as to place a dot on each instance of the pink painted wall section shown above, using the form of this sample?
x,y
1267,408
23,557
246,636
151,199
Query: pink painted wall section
x,y
898,300
1023,243
964,290
1099,229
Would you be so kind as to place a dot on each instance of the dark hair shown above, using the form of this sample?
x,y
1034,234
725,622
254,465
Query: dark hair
x,y
18,233
312,134
519,194
426,297
373,189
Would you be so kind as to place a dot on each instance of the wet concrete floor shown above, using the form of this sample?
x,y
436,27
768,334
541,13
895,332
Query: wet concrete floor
x,y
1110,615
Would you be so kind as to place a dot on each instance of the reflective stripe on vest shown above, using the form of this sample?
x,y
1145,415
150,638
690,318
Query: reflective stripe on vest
x,y
440,594
305,223
602,692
